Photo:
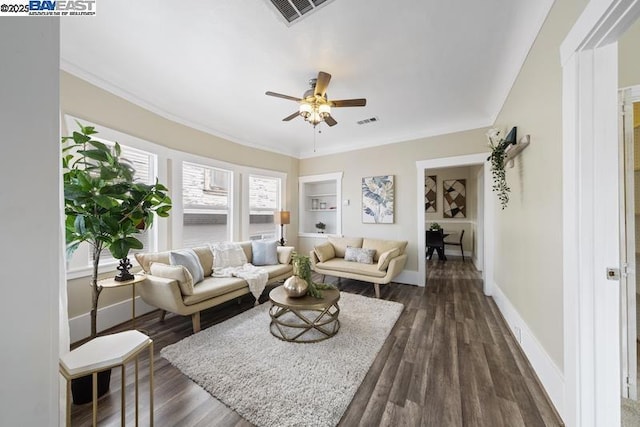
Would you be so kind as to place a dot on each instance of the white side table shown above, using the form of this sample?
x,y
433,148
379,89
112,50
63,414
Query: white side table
x,y
106,352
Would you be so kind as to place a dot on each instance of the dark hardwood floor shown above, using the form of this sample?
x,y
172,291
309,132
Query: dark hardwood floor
x,y
450,360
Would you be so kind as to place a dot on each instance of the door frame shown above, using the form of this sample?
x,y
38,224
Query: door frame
x,y
485,239
629,387
591,237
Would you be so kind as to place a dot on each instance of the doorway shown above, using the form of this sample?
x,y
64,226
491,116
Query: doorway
x,y
629,238
591,233
485,213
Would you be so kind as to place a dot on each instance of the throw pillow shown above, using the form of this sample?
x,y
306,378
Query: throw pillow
x,y
227,254
325,251
361,255
284,254
189,259
265,252
174,272
386,257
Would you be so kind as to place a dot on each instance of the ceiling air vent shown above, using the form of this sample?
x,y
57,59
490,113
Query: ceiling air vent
x,y
293,10
373,119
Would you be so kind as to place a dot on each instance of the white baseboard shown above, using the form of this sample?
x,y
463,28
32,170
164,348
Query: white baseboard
x,y
550,375
409,277
108,317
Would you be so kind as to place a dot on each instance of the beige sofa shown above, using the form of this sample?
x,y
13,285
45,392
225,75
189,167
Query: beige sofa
x,y
389,260
168,293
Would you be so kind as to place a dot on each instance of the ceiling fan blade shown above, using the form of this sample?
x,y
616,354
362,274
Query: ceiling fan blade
x,y
330,121
360,102
279,95
291,117
321,83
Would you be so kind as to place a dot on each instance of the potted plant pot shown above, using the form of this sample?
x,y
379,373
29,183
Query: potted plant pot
x,y
82,387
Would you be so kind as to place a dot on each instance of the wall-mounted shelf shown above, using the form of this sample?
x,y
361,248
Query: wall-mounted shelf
x,y
322,195
514,150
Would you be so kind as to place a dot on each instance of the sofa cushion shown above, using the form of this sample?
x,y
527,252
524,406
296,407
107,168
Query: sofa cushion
x,y
248,253
212,287
145,259
277,270
386,257
340,244
206,259
227,254
325,251
174,272
188,259
361,255
340,265
284,254
382,246
264,252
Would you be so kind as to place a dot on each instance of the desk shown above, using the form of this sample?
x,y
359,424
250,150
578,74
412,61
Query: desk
x,y
113,283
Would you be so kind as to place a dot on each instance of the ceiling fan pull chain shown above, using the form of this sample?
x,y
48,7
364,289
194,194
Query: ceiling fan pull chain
x,y
314,138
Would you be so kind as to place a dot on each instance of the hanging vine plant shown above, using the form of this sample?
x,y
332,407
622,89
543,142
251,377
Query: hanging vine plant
x,y
498,154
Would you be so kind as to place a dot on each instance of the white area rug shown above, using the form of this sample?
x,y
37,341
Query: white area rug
x,y
270,382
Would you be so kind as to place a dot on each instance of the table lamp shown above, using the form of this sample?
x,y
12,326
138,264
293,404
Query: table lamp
x,y
282,218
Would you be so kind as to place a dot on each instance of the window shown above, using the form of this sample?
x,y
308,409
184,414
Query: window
x,y
264,200
206,204
145,159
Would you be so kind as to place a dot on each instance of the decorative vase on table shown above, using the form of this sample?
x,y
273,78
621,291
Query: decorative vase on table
x,y
295,287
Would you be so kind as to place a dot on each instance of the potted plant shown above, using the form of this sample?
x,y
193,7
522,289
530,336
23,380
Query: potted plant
x,y
104,206
499,147
301,282
435,227
320,226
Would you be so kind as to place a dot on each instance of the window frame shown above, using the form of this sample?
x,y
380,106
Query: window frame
x,y
246,202
76,267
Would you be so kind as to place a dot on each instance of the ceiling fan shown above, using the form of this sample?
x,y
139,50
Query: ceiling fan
x,y
314,105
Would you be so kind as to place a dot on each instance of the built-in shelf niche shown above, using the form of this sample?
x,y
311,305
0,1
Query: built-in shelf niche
x,y
320,201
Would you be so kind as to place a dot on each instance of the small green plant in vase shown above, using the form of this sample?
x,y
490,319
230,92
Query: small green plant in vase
x,y
301,283
435,227
321,226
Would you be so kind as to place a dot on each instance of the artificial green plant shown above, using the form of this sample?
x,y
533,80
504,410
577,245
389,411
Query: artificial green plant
x,y
302,269
499,147
104,206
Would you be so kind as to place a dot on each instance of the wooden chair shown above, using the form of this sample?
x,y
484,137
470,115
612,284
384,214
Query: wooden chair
x,y
435,240
458,244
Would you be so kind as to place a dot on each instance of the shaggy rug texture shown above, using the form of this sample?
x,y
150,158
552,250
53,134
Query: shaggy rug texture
x,y
270,382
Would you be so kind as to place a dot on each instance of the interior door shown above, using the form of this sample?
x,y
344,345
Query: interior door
x,y
630,168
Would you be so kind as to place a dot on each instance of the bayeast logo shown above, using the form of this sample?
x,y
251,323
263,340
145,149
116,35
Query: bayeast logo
x,y
62,8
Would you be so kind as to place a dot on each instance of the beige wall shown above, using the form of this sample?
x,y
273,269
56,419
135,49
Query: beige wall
x,y
528,265
393,159
86,101
628,57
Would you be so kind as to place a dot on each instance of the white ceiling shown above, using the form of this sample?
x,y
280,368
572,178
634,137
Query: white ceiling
x,y
426,67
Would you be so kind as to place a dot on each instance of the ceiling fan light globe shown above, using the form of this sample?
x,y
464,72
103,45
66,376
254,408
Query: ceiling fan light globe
x,y
324,110
305,110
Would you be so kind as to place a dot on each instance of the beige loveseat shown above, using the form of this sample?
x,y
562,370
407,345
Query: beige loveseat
x,y
388,259
169,294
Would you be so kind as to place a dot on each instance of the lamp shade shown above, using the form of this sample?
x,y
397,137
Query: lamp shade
x,y
281,217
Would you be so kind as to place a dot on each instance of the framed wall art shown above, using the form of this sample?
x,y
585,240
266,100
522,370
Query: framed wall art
x,y
454,198
378,200
430,193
